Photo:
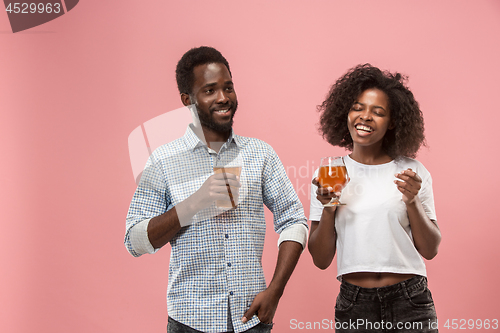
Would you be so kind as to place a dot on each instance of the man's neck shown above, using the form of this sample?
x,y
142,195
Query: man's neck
x,y
214,139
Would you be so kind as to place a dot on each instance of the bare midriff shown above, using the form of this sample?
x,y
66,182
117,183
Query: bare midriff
x,y
375,280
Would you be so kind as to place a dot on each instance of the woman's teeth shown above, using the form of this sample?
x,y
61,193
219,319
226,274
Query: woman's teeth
x,y
363,128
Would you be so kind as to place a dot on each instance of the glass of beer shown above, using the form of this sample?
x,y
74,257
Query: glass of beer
x,y
333,173
232,166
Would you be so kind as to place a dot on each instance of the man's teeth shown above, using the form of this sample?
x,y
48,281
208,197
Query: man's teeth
x,y
363,128
222,111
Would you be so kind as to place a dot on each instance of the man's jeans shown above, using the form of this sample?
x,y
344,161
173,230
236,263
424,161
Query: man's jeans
x,y
176,327
403,307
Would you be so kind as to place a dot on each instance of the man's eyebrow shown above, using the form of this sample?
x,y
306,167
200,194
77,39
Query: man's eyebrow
x,y
208,85
212,84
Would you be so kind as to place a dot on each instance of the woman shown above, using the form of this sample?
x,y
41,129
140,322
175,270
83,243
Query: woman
x,y
388,222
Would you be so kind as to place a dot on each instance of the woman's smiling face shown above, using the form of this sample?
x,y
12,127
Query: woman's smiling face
x,y
369,118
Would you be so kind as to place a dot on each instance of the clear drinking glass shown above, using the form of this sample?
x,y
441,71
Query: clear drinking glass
x,y
333,173
225,166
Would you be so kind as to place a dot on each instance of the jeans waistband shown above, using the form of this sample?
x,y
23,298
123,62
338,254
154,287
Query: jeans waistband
x,y
407,288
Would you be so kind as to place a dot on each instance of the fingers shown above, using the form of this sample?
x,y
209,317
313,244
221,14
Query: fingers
x,y
226,178
321,190
250,312
409,184
327,196
405,190
407,187
409,180
315,182
409,176
256,310
224,183
324,194
219,186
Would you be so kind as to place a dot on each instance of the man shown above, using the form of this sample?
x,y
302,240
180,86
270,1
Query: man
x,y
216,282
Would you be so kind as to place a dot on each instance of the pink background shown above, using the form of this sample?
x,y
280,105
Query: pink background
x,y
72,90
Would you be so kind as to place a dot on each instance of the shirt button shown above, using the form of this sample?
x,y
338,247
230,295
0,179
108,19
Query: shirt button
x,y
227,236
229,264
231,293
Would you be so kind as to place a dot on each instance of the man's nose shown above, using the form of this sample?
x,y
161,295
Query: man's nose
x,y
222,97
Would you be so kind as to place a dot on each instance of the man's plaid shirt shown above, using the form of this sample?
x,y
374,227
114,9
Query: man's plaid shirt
x,y
215,262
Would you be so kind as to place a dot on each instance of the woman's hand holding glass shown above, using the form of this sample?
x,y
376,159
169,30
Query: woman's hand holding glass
x,y
332,174
325,194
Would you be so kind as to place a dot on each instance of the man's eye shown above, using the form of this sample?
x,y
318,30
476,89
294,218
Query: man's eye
x,y
209,91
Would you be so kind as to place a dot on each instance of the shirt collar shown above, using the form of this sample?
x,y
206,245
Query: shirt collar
x,y
193,141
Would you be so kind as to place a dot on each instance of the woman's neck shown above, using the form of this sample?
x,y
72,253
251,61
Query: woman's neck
x,y
369,156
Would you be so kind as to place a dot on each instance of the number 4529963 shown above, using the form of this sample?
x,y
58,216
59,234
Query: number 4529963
x,y
32,8
463,324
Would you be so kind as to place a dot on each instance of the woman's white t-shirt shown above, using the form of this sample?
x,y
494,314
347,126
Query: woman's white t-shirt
x,y
373,229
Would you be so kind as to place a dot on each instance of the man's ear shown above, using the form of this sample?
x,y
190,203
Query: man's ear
x,y
186,100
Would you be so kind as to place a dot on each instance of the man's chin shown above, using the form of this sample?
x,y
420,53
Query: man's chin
x,y
224,128
218,127
209,122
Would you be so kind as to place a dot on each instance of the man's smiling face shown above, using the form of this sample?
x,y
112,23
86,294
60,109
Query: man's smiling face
x,y
214,96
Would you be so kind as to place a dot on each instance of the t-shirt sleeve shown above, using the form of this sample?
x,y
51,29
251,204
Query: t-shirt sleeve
x,y
426,195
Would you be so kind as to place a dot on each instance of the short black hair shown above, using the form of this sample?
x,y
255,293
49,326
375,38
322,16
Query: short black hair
x,y
407,136
184,73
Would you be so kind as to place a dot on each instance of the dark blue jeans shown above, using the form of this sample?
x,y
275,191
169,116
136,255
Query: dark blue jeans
x,y
176,327
403,307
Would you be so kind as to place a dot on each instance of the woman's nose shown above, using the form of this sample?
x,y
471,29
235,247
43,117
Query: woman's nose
x,y
366,115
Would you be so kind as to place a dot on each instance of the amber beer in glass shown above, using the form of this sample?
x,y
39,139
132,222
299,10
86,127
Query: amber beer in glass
x,y
333,173
235,170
